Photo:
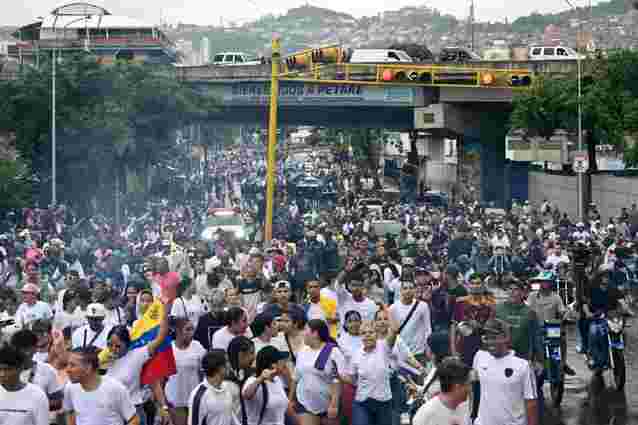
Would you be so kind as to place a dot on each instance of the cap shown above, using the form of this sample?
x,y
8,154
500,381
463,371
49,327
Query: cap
x,y
32,288
282,284
269,355
96,310
495,327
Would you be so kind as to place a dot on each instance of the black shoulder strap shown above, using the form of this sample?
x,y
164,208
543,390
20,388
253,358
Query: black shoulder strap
x,y
197,401
409,316
264,393
292,354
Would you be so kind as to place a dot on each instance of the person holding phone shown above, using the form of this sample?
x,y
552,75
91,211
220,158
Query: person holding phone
x,y
265,398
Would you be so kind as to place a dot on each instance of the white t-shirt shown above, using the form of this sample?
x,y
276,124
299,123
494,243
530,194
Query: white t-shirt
x,y
28,406
506,384
29,313
189,363
372,373
313,385
85,335
115,317
434,412
222,338
191,309
349,344
345,303
62,319
214,406
127,371
417,330
45,377
109,404
277,403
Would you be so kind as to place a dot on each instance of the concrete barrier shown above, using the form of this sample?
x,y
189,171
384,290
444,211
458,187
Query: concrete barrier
x,y
610,193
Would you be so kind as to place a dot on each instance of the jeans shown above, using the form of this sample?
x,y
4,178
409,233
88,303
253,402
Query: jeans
x,y
141,413
399,399
540,400
598,344
583,330
371,412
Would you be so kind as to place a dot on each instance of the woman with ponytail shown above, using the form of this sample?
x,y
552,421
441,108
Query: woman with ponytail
x,y
265,398
241,356
319,370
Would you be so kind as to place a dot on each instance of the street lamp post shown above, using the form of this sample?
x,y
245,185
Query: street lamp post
x,y
54,194
579,176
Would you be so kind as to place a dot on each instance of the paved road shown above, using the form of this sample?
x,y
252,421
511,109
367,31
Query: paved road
x,y
591,402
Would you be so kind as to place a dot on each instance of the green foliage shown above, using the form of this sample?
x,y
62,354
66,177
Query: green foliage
x,y
534,22
109,117
609,104
15,184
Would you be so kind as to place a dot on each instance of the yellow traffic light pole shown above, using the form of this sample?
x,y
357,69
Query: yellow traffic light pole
x,y
272,141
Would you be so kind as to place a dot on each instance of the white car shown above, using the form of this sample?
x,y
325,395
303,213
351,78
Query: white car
x,y
544,53
372,204
228,220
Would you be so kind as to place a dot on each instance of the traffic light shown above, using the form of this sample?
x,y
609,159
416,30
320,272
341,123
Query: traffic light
x,y
520,80
407,75
322,55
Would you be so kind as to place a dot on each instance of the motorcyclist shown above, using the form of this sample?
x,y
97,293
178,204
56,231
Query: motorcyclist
x,y
601,300
549,306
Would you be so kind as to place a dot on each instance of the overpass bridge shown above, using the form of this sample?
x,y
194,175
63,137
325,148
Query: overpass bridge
x,y
470,102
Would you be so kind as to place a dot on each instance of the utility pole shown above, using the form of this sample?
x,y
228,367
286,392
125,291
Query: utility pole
x,y
472,16
272,141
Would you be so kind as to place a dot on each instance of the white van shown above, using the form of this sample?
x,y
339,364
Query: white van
x,y
379,56
543,53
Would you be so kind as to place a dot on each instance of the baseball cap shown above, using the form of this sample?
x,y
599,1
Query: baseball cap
x,y
495,327
96,310
269,355
30,287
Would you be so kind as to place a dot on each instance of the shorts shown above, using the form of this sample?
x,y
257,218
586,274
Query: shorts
x,y
301,410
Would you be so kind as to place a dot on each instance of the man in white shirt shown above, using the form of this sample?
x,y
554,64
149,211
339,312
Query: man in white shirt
x,y
508,383
413,317
31,308
237,325
350,296
38,373
450,406
95,333
91,399
20,403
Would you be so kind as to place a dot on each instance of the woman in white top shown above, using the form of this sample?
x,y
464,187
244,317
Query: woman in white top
x,y
403,362
125,364
371,375
265,398
188,358
319,370
211,402
349,342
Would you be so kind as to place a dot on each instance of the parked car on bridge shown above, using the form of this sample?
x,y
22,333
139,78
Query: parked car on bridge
x,y
544,53
233,58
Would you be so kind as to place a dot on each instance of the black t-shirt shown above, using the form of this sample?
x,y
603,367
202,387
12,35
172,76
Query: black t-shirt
x,y
208,324
604,300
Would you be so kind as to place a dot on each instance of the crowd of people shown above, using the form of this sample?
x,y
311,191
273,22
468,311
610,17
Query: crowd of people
x,y
332,323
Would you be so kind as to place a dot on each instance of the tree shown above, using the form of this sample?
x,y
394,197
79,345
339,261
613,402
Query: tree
x,y
113,121
15,184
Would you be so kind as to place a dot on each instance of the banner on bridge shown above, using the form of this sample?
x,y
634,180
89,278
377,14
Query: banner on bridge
x,y
313,94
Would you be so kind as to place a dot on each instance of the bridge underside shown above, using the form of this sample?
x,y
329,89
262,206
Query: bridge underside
x,y
390,118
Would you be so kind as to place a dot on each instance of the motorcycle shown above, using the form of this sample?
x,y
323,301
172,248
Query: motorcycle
x,y
554,360
614,360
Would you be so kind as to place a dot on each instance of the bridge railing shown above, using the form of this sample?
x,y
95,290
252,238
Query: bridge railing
x,y
415,75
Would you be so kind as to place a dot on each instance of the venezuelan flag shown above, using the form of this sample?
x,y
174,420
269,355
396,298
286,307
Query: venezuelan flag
x,y
145,330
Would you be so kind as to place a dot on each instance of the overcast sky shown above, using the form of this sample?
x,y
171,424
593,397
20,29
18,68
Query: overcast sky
x,y
210,11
